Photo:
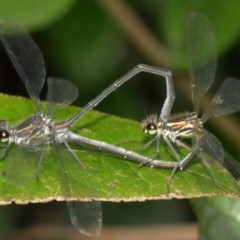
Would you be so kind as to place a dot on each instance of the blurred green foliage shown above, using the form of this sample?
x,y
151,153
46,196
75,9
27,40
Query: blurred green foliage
x,y
81,41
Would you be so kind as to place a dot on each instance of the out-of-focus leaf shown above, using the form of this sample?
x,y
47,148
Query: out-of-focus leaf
x,y
85,45
34,14
172,18
219,218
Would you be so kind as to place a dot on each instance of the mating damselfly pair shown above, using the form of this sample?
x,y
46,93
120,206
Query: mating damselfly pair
x,y
33,136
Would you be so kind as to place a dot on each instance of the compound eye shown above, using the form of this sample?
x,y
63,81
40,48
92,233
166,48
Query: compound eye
x,y
151,128
4,135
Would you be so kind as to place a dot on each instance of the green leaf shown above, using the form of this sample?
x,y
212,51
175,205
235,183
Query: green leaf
x,y
218,218
34,14
109,178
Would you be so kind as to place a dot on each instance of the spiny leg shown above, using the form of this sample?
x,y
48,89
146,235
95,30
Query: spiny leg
x,y
75,157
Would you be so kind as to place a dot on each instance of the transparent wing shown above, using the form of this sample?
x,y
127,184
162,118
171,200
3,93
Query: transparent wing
x,y
26,57
212,146
226,100
202,55
60,93
21,165
214,149
85,216
232,165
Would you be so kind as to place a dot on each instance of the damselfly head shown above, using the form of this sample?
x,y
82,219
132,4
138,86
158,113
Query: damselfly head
x,y
4,133
150,125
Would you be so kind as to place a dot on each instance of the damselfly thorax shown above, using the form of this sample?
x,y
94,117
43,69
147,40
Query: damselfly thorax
x,y
180,126
31,132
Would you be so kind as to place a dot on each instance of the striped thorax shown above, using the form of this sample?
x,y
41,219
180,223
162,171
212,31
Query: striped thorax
x,y
180,126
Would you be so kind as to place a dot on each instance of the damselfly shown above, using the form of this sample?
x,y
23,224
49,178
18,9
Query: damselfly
x,y
33,136
202,63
